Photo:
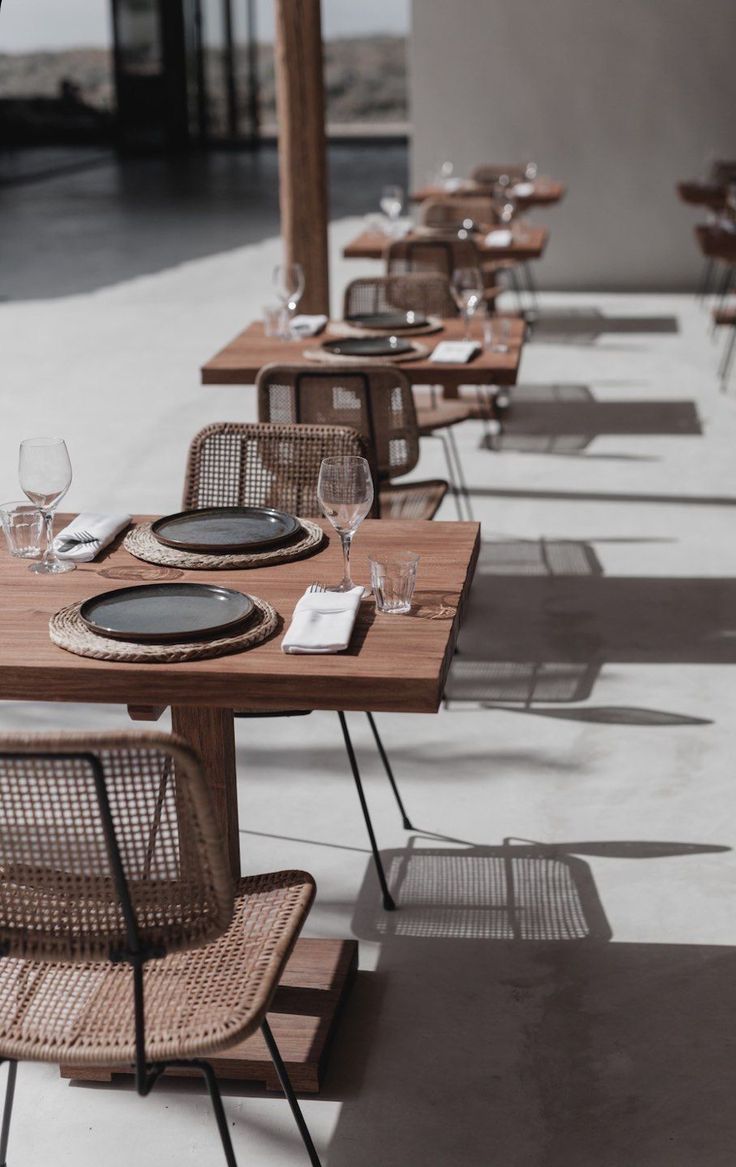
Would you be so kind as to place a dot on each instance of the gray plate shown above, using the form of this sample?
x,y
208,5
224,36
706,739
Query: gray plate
x,y
389,321
368,346
223,530
165,612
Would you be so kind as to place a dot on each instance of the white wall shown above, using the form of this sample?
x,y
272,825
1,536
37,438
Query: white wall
x,y
620,98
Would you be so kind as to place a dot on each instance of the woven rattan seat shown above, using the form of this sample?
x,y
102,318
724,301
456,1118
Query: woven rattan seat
x,y
420,500
426,292
196,1002
124,941
376,402
438,413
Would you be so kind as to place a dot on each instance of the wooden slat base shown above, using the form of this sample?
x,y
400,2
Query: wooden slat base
x,y
302,1017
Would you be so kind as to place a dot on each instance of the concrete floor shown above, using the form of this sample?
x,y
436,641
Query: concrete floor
x,y
587,1020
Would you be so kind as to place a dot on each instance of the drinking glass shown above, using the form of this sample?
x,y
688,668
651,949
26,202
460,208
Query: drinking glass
x,y
496,333
45,475
22,525
345,493
288,284
467,290
531,170
392,201
393,578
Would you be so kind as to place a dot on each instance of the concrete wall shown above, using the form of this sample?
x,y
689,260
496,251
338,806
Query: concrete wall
x,y
618,98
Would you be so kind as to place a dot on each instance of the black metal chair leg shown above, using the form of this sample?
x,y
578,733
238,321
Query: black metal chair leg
x,y
388,901
7,1112
454,488
460,474
705,281
728,357
216,1098
389,773
288,1090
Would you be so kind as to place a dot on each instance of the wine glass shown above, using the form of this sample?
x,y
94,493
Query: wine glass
x,y
392,201
45,475
288,283
467,291
345,493
531,170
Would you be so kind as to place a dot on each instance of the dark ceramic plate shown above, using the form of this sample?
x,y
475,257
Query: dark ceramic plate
x,y
368,346
224,530
165,612
389,321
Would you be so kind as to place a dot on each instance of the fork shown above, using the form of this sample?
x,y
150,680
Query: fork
x,y
315,587
78,539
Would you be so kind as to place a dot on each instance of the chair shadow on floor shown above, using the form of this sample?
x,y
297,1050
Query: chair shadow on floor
x,y
564,419
543,620
509,1029
588,325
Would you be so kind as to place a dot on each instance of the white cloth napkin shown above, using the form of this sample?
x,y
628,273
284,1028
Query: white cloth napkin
x,y
501,237
454,352
322,622
523,189
307,325
103,527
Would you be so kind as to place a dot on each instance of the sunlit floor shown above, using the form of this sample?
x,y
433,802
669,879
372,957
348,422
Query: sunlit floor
x,y
558,987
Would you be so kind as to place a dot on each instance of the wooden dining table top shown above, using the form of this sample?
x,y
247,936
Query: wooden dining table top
x,y
545,192
239,361
395,663
527,243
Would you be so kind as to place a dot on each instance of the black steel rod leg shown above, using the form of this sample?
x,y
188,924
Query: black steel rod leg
x,y
288,1090
216,1098
389,773
7,1112
388,901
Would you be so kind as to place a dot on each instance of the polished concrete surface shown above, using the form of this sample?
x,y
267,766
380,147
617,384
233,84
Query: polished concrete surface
x,y
558,986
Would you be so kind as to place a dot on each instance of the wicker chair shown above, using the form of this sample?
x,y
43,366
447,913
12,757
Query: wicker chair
x,y
485,174
241,464
424,292
125,940
441,256
448,213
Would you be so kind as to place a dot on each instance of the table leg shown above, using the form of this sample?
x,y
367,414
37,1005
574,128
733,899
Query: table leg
x,y
211,733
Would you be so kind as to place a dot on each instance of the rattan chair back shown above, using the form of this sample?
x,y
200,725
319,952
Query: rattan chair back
x,y
71,806
423,292
486,174
375,401
449,213
439,255
246,464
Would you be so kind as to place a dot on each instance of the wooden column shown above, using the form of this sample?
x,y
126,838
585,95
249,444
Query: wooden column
x,y
302,153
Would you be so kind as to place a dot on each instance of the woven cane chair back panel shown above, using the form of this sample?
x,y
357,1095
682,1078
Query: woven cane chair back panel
x,y
232,464
451,212
426,293
58,895
442,256
377,402
487,174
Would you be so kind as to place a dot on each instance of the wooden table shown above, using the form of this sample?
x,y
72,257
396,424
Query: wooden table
x,y
239,361
396,663
546,192
529,244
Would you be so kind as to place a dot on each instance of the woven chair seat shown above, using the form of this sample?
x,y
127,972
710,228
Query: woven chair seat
x,y
196,1002
444,413
724,315
412,500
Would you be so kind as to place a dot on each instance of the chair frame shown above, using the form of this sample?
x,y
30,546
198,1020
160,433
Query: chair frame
x,y
136,953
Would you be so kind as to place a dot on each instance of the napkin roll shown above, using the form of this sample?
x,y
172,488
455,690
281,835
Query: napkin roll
x,y
103,527
322,622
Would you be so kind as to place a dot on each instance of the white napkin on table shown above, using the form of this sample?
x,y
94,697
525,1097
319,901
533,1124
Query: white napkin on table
x,y
522,189
303,325
454,352
501,237
322,622
103,527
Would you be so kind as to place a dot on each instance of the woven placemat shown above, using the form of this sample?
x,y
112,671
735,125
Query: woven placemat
x,y
325,358
144,545
68,631
343,328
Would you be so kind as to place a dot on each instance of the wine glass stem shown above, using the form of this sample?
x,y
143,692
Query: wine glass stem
x,y
49,555
346,538
466,322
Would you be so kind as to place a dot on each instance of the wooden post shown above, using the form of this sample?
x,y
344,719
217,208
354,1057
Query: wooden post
x,y
302,153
